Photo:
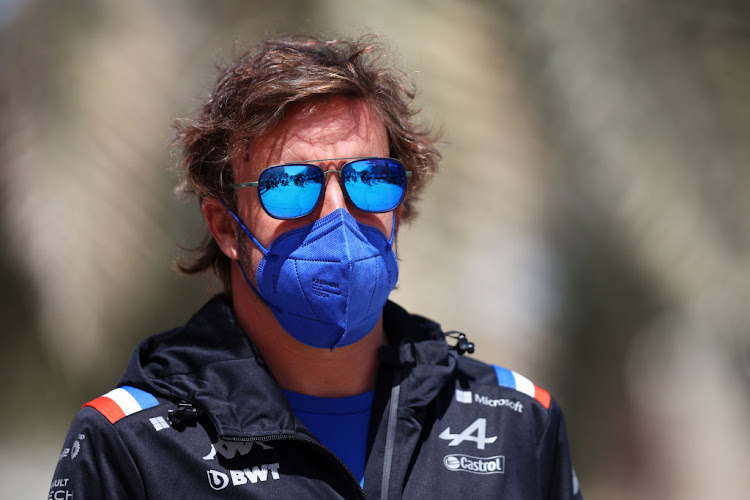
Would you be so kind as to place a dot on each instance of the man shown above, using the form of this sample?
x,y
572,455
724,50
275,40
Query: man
x,y
302,380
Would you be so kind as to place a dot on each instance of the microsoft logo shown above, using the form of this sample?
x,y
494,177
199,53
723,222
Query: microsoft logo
x,y
463,396
159,423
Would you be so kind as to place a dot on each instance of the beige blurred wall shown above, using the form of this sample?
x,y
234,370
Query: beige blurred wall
x,y
587,228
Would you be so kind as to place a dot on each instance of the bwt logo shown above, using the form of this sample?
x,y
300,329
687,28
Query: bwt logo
x,y
219,480
475,465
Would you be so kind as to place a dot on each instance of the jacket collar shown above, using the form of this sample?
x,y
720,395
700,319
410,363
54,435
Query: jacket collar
x,y
211,363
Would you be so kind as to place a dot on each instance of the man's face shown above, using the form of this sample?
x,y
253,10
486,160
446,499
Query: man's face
x,y
331,128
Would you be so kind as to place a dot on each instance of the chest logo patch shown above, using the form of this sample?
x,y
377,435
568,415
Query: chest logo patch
x,y
476,432
218,480
475,465
230,449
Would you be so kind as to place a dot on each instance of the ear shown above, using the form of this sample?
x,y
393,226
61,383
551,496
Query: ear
x,y
221,225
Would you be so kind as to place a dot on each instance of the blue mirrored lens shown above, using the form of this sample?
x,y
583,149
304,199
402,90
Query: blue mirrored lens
x,y
290,191
375,184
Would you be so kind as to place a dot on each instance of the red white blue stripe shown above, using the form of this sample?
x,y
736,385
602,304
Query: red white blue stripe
x,y
513,380
121,402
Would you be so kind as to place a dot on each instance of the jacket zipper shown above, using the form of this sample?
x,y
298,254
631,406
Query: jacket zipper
x,y
194,410
390,434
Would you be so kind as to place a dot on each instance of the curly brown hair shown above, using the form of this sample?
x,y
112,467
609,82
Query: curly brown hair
x,y
253,94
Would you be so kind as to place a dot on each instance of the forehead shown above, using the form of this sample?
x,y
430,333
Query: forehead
x,y
331,128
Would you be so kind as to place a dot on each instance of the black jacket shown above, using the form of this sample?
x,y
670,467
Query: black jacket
x,y
215,423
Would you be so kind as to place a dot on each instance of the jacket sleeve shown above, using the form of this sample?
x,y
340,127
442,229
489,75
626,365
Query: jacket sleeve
x,y
553,455
95,462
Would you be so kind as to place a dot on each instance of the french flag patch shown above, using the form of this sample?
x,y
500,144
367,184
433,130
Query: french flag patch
x,y
513,380
121,402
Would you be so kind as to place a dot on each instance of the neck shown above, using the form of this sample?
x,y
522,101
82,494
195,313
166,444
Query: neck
x,y
297,367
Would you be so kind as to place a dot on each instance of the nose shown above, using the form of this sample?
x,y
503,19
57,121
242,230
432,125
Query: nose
x,y
333,195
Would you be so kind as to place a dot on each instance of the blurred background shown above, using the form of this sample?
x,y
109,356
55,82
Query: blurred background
x,y
588,227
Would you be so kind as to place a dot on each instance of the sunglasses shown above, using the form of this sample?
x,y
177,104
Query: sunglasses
x,y
293,190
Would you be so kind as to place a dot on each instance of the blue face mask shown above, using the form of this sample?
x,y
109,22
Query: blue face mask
x,y
327,283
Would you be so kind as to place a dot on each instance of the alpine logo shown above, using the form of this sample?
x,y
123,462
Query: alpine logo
x,y
476,432
475,465
218,480
467,397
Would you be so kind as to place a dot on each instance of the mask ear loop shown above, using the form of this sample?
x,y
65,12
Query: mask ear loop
x,y
252,287
257,243
393,229
245,229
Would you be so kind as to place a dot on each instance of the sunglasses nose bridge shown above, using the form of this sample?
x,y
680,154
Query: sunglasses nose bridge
x,y
333,196
338,180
